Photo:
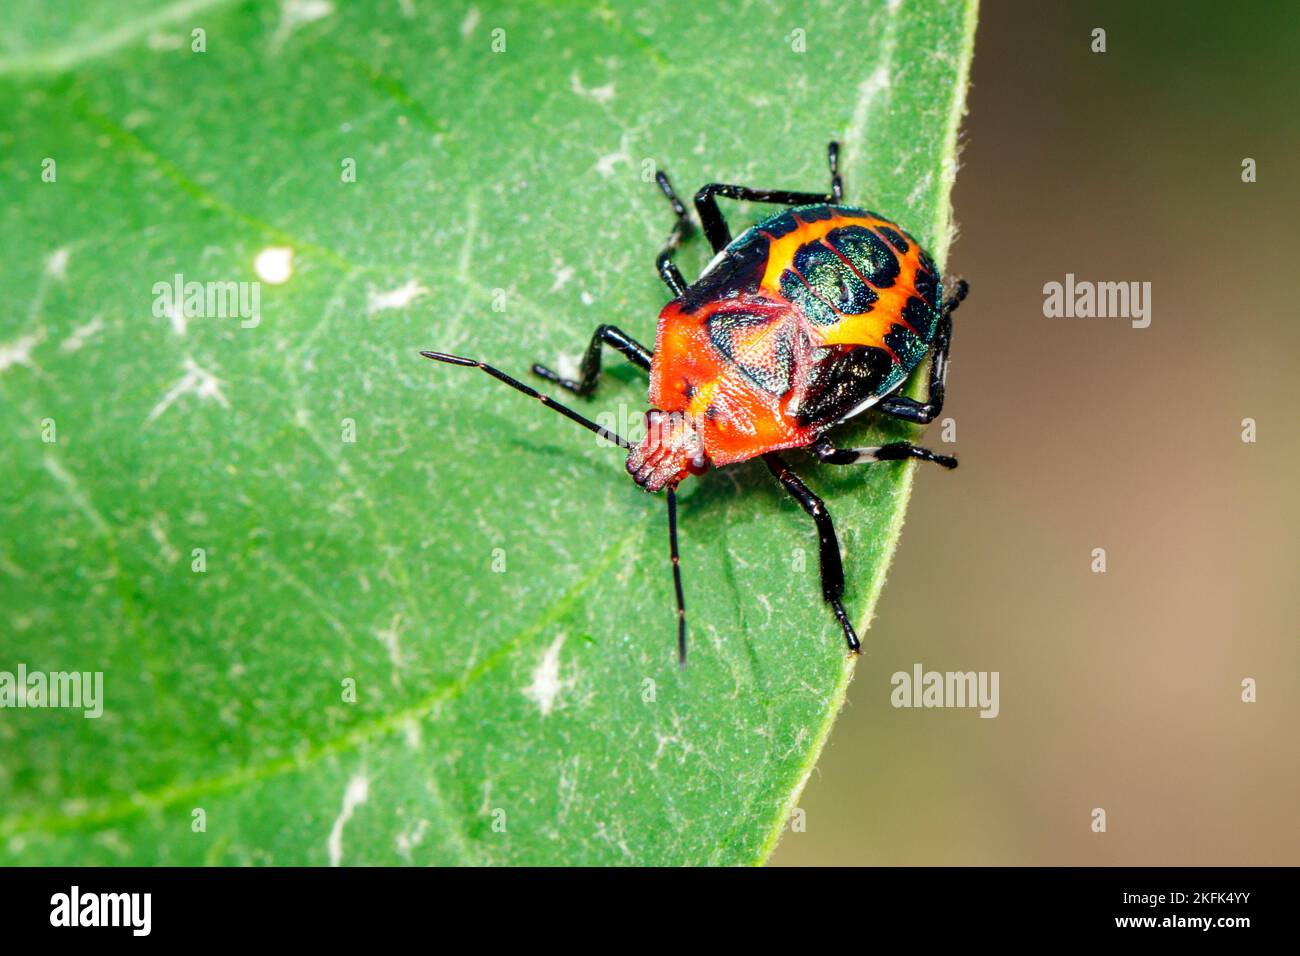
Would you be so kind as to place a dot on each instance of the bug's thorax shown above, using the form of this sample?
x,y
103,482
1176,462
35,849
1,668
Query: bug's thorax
x,y
671,449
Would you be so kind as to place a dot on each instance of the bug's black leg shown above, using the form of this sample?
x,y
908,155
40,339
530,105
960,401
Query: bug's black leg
x,y
828,454
668,270
922,413
589,371
715,227
677,575
832,569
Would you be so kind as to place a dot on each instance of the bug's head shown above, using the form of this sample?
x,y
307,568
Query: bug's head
x,y
671,450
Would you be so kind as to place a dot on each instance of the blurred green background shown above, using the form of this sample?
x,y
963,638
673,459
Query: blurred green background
x,y
1120,690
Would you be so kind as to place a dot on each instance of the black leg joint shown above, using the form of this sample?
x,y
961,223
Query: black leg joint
x,y
901,450
922,413
715,227
832,569
589,371
828,454
909,409
668,271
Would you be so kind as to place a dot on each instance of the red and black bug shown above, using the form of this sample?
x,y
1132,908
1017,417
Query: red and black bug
x,y
810,317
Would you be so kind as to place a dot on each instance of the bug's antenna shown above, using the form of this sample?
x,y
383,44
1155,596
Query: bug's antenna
x,y
677,576
544,399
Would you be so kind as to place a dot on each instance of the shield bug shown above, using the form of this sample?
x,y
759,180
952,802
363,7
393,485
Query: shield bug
x,y
807,319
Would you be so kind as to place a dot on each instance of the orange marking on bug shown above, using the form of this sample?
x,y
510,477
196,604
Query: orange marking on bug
x,y
898,320
870,328
780,253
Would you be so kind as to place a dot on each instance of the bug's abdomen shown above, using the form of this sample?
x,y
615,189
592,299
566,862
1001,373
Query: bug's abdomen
x,y
859,280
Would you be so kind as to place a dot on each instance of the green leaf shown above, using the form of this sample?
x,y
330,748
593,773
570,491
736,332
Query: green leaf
x,y
501,209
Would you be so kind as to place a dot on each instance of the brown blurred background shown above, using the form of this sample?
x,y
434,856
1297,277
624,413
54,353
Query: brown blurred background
x,y
1119,690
